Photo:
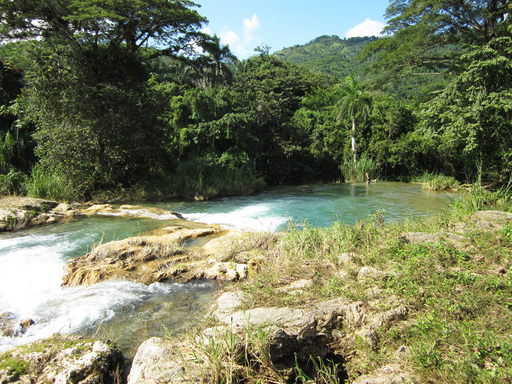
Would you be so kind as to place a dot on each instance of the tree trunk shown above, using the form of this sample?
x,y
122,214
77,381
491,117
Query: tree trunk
x,y
353,136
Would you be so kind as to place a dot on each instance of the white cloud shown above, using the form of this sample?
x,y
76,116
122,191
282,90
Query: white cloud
x,y
229,37
367,28
243,46
251,24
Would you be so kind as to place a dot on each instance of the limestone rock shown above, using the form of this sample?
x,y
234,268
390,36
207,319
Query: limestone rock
x,y
307,331
98,208
349,258
64,359
389,374
152,258
224,271
294,334
156,361
457,241
343,275
368,273
491,219
297,287
10,326
227,303
21,212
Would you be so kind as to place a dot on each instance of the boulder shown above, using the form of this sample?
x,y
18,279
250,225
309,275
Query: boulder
x,y
157,361
10,326
457,241
291,335
491,219
21,212
63,359
310,331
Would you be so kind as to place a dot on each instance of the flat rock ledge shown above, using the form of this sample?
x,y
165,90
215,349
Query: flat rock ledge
x,y
290,335
61,360
23,212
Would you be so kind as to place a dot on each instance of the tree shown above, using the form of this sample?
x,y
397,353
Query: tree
x,y
418,29
216,63
170,25
16,142
353,101
96,128
472,115
97,115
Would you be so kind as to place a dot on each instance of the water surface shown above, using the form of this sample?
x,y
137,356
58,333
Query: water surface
x,y
319,205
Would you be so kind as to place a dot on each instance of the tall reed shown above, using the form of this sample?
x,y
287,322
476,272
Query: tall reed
x,y
356,171
50,185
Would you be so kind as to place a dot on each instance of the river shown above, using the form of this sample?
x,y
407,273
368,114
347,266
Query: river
x,y
31,260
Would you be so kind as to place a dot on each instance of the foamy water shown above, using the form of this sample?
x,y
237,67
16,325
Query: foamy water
x,y
30,285
257,217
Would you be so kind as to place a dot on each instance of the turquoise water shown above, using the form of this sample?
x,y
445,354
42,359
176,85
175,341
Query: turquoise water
x,y
319,205
32,260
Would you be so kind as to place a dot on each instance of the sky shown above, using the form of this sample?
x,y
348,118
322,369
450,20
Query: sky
x,y
278,24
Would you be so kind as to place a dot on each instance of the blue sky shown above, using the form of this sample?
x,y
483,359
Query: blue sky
x,y
244,25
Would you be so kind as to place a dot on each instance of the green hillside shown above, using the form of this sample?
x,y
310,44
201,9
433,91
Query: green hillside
x,y
340,57
328,54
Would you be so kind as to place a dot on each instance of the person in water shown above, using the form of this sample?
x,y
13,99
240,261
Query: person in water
x,y
367,178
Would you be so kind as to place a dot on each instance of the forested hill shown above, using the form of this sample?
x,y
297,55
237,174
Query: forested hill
x,y
328,54
340,57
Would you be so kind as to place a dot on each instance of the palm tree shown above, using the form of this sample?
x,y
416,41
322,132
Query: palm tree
x,y
353,101
218,57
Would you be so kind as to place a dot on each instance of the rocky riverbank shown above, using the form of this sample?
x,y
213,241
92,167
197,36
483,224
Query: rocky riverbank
x,y
301,309
22,212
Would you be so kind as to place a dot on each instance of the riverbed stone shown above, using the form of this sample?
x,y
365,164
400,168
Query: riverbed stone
x,y
153,258
21,212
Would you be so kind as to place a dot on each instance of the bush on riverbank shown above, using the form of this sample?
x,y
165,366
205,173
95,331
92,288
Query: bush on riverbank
x,y
437,182
457,291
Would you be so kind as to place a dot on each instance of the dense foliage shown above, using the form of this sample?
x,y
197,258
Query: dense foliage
x,y
117,95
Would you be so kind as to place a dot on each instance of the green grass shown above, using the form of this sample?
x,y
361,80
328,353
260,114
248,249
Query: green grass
x,y
51,185
458,298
